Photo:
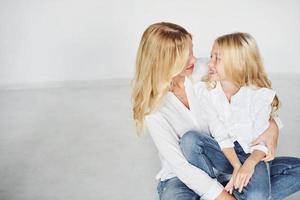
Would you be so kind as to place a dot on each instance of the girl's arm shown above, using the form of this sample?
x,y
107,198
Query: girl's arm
x,y
261,107
247,169
230,154
232,157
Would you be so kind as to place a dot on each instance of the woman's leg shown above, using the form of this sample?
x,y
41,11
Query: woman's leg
x,y
174,189
285,177
203,151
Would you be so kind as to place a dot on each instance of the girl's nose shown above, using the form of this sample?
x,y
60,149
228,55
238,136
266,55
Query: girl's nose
x,y
210,63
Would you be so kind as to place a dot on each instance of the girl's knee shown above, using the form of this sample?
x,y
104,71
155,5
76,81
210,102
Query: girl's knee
x,y
190,140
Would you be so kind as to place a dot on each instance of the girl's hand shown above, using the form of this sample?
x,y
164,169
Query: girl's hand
x,y
270,138
229,186
244,175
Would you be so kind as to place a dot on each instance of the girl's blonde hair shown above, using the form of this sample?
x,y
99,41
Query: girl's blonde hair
x,y
242,62
162,54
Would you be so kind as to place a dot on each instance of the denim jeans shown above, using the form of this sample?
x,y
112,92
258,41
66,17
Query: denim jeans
x,y
274,180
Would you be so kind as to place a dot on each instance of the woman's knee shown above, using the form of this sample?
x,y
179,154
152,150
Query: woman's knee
x,y
174,189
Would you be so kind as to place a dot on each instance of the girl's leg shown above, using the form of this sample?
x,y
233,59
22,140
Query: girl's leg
x,y
259,186
203,151
174,189
285,177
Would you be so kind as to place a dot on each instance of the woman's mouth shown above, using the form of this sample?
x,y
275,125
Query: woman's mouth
x,y
190,67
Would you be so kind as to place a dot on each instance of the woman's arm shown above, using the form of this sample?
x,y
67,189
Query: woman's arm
x,y
167,144
270,138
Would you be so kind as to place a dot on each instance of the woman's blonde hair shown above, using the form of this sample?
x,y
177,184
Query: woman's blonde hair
x,y
242,62
162,54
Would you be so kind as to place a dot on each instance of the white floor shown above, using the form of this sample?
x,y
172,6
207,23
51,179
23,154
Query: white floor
x,y
78,142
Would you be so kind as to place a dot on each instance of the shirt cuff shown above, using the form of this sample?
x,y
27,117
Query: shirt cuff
x,y
213,192
259,147
226,144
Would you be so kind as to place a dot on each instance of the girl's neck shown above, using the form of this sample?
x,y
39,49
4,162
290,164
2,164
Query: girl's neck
x,y
229,88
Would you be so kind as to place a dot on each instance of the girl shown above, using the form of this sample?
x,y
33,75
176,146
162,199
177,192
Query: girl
x,y
240,102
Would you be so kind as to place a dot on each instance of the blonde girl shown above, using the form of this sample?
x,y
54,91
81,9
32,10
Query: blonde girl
x,y
240,104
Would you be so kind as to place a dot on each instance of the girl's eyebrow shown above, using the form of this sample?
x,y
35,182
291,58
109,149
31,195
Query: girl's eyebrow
x,y
217,54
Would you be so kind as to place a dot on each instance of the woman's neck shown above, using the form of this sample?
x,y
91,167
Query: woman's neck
x,y
229,88
178,82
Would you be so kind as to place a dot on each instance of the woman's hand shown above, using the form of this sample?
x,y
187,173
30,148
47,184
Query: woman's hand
x,y
229,186
270,138
244,174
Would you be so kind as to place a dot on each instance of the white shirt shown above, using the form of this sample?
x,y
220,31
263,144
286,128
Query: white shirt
x,y
243,119
166,126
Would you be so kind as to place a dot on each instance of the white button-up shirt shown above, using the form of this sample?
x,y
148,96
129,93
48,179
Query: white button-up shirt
x,y
243,119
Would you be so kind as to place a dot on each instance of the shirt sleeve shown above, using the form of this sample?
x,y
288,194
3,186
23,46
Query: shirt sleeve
x,y
168,146
261,112
217,128
278,122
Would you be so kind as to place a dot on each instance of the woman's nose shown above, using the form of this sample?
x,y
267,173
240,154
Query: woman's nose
x,y
194,59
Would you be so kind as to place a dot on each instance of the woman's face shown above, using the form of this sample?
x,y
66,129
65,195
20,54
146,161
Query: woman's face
x,y
189,68
215,65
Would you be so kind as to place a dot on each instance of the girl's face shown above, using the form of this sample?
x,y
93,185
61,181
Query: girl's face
x,y
189,68
215,65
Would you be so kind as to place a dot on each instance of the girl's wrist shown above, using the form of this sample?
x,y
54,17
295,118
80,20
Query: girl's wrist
x,y
251,162
236,165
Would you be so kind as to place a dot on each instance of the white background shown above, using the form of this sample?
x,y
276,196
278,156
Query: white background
x,y
61,40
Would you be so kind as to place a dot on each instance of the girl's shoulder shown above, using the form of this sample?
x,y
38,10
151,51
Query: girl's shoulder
x,y
261,94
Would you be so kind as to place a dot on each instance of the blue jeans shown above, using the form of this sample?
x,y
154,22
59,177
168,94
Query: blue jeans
x,y
201,150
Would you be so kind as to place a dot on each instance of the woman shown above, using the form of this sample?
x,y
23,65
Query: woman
x,y
165,104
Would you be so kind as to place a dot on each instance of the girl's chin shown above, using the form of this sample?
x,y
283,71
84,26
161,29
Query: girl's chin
x,y
214,77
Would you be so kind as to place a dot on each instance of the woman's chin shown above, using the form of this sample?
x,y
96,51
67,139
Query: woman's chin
x,y
189,71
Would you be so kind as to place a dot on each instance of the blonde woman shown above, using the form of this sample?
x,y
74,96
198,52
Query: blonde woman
x,y
242,103
166,106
